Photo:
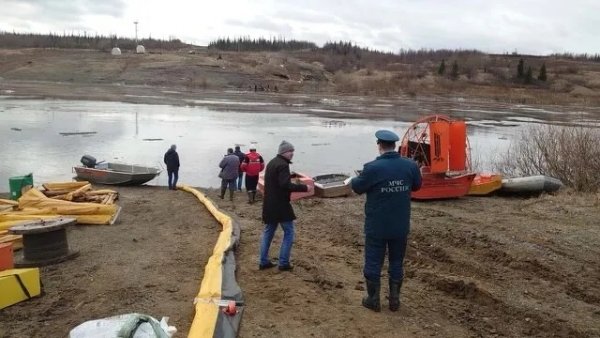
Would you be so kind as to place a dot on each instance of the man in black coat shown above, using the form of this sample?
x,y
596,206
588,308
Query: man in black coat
x,y
277,208
172,161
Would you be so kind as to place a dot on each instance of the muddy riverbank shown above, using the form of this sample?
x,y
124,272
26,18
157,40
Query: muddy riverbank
x,y
476,267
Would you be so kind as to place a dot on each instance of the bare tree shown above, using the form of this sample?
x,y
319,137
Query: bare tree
x,y
570,154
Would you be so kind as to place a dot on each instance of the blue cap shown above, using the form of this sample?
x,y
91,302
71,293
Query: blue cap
x,y
387,136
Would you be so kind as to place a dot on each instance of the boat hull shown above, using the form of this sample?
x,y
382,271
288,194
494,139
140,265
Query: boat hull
x,y
531,185
116,174
441,186
332,185
485,184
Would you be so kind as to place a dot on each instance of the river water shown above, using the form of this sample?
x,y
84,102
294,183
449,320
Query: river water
x,y
31,139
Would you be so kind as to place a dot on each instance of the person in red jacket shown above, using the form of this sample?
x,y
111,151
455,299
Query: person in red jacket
x,y
252,165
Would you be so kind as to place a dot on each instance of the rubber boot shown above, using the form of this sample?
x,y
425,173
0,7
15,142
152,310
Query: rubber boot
x,y
253,196
249,197
222,192
231,195
395,294
371,300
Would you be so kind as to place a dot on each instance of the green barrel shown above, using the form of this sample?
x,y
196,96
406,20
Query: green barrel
x,y
17,183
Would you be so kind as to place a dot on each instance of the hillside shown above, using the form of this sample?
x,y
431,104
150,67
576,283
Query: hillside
x,y
493,77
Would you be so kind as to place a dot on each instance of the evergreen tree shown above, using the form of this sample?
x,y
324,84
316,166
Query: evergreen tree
x,y
542,76
442,68
521,69
528,75
454,73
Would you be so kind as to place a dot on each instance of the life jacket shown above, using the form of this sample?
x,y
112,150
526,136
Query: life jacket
x,y
253,164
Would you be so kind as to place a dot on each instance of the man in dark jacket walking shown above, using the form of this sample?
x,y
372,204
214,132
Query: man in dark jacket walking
x,y
241,156
171,159
230,165
388,182
277,208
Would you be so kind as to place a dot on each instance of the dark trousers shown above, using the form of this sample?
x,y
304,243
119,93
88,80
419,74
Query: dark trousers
x,y
173,177
251,183
239,180
228,184
375,254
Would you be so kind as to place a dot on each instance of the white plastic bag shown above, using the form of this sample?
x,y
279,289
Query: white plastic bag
x,y
137,325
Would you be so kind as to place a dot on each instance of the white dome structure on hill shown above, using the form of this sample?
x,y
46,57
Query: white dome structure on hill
x,y
116,51
140,49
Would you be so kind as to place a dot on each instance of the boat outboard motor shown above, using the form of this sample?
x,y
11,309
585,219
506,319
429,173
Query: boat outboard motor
x,y
88,161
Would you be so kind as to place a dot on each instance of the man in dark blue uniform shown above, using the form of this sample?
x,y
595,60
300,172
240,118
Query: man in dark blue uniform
x,y
388,182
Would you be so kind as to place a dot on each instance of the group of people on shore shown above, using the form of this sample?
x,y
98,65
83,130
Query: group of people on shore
x,y
233,166
387,182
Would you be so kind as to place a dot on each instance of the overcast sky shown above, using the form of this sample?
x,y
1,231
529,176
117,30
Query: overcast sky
x,y
527,26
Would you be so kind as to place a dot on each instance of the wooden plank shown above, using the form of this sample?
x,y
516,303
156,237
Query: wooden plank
x,y
111,199
8,202
64,185
101,192
51,193
78,192
10,238
16,240
92,199
6,208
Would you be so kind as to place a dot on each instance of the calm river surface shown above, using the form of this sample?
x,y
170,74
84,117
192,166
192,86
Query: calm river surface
x,y
140,134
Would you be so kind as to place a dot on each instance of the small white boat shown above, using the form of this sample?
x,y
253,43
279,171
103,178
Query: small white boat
x,y
531,184
332,185
113,173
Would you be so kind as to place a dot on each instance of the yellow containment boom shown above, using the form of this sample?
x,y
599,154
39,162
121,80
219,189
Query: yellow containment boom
x,y
34,205
219,303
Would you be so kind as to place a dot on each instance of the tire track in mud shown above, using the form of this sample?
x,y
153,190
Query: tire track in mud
x,y
471,304
493,251
453,256
467,273
433,253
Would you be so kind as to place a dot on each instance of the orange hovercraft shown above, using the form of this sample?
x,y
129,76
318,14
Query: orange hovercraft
x,y
440,147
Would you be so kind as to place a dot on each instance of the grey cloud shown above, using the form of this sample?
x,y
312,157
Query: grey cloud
x,y
75,8
270,26
63,13
55,16
306,15
393,38
534,26
112,8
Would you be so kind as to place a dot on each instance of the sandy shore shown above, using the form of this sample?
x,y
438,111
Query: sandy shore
x,y
476,267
